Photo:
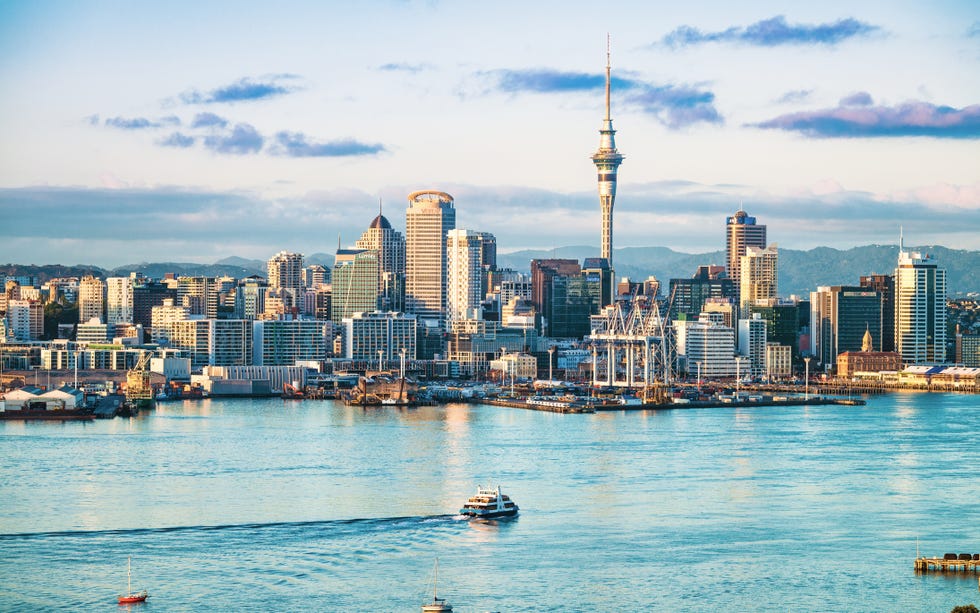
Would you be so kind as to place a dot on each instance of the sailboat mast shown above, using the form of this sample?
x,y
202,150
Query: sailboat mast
x,y
129,574
435,581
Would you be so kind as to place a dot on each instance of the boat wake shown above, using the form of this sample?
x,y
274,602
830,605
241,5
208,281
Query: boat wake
x,y
363,523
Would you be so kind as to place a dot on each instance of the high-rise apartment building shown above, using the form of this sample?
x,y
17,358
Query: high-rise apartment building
x,y
607,160
430,217
757,275
390,247
26,319
250,298
199,295
920,309
284,342
355,283
465,252
688,296
752,342
146,295
315,275
119,300
286,277
741,231
91,299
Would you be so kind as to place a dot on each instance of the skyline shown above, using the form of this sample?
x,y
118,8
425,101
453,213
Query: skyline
x,y
224,130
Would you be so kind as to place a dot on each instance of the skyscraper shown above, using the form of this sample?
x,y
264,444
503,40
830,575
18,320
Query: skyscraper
x,y
884,285
840,316
286,276
464,277
430,216
920,309
741,231
390,246
355,283
607,160
757,275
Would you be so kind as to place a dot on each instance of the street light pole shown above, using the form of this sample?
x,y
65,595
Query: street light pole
x,y
381,353
738,374
551,351
806,380
402,354
699,376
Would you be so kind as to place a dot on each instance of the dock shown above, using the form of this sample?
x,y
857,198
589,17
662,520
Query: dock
x,y
948,564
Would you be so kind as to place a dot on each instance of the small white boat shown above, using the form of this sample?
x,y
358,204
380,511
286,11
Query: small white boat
x,y
489,503
438,605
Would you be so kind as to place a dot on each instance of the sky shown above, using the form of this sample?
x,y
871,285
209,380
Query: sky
x,y
194,131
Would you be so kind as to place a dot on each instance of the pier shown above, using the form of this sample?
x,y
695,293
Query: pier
x,y
949,564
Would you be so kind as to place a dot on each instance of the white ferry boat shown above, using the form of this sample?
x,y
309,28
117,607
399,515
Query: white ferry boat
x,y
489,503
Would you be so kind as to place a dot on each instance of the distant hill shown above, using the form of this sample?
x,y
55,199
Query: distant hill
x,y
799,271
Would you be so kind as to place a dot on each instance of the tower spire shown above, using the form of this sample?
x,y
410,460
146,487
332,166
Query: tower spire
x,y
607,160
608,73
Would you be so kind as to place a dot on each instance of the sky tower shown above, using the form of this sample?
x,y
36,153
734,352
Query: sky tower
x,y
607,161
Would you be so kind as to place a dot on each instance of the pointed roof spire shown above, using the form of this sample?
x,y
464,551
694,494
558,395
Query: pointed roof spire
x,y
608,72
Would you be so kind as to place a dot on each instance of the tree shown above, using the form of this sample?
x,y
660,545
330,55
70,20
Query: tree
x,y
965,608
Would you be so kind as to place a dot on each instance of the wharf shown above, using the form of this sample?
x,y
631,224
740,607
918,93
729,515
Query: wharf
x,y
592,407
942,565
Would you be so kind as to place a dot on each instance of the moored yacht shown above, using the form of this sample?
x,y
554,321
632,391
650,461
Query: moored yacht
x,y
489,503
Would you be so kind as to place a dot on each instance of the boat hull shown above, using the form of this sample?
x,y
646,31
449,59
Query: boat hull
x,y
133,598
488,514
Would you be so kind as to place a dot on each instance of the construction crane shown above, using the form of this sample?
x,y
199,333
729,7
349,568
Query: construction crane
x,y
139,392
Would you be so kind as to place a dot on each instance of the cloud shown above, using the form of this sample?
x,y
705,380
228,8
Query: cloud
x,y
796,95
245,89
857,99
295,144
242,139
912,118
204,225
974,30
403,67
181,141
208,120
136,123
773,32
673,105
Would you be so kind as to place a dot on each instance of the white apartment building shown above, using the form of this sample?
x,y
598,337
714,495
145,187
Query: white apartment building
x,y
119,300
752,345
284,342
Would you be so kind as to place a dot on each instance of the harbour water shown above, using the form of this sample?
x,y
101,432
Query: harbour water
x,y
271,505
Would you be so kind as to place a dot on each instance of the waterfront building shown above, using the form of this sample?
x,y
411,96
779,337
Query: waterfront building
x,y
199,295
840,316
757,275
355,283
779,361
752,342
885,286
708,343
284,342
741,232
25,320
214,342
91,299
850,363
515,366
366,334
920,309
607,160
429,218
967,349
390,247
119,300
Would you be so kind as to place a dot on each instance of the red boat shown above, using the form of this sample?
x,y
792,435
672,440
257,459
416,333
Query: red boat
x,y
131,597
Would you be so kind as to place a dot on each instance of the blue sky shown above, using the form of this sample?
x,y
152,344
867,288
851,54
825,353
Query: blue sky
x,y
187,132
